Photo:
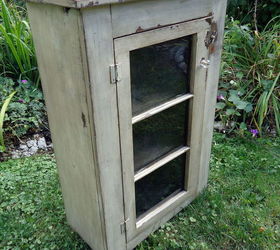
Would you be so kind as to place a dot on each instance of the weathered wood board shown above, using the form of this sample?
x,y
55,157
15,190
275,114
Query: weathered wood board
x,y
77,42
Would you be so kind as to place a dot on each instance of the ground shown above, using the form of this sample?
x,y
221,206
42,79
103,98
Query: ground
x,y
239,210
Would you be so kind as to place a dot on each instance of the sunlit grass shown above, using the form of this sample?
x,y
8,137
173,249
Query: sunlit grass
x,y
239,210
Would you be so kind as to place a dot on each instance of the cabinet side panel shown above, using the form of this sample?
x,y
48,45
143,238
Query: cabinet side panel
x,y
219,10
99,44
58,37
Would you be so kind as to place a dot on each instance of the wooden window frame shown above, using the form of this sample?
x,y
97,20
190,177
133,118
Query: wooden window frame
x,y
135,227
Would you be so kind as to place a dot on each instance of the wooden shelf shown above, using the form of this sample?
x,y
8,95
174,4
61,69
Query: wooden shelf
x,y
159,163
160,108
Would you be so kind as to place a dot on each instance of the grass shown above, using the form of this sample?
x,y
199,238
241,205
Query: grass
x,y
239,210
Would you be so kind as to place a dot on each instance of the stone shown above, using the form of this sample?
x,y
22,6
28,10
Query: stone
x,y
15,154
219,126
31,143
26,154
42,143
33,150
23,147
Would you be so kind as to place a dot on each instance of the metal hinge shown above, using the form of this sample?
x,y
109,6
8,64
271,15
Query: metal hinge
x,y
211,35
114,73
123,226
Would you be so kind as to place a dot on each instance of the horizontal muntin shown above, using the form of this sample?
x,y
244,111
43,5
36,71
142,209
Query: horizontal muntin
x,y
160,108
159,163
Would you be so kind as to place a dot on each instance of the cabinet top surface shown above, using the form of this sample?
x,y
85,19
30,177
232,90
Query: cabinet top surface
x,y
85,3
80,3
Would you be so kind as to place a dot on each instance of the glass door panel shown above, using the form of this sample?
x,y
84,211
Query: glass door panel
x,y
159,73
160,184
159,134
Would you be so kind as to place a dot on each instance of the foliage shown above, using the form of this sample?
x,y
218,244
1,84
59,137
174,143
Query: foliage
x,y
249,88
2,116
17,56
238,211
243,10
26,111
31,207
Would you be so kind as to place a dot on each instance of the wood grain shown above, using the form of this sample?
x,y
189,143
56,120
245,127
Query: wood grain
x,y
60,52
100,55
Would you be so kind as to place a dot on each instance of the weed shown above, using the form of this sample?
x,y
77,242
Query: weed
x,y
249,90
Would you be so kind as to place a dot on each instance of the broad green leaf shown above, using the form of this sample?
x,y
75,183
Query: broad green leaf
x,y
220,105
230,111
249,108
234,99
243,126
241,104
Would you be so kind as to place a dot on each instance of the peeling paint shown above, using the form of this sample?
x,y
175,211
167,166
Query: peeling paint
x,y
211,38
210,19
66,10
84,120
140,29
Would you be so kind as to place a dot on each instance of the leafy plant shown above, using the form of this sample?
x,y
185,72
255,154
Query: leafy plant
x,y
26,111
249,91
17,57
244,10
2,116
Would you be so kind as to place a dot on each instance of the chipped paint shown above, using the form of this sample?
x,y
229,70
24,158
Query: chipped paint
x,y
84,120
210,18
66,10
211,37
140,29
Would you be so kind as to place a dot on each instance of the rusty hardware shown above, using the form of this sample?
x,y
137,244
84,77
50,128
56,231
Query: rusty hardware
x,y
212,35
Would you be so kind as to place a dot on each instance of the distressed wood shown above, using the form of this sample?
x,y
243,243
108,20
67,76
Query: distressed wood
x,y
159,163
198,77
122,47
91,118
63,70
163,34
141,16
100,54
212,80
178,203
79,3
161,108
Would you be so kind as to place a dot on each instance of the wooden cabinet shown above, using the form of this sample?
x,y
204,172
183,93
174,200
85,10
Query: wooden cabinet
x,y
130,88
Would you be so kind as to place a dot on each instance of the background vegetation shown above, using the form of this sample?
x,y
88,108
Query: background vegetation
x,y
244,10
249,87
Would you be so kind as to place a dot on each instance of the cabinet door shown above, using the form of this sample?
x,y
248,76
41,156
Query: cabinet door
x,y
160,91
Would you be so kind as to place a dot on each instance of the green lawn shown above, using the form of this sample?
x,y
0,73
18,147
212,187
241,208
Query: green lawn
x,y
239,210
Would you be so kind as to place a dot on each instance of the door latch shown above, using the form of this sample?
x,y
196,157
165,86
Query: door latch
x,y
204,63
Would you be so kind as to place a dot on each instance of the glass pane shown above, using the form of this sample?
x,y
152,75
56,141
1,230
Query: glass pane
x,y
158,185
159,73
159,134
